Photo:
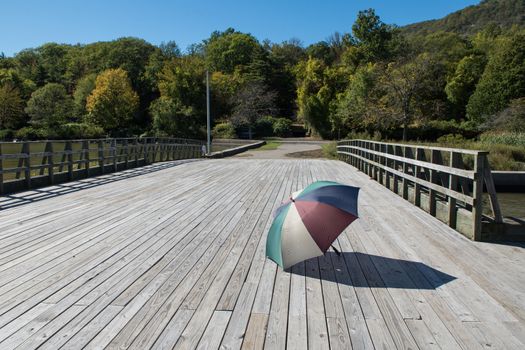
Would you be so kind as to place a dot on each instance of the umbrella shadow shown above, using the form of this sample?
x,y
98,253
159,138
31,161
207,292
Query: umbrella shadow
x,y
365,270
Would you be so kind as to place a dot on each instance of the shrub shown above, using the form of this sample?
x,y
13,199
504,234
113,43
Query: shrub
x,y
31,133
330,150
6,134
80,131
282,127
503,138
451,139
224,131
264,126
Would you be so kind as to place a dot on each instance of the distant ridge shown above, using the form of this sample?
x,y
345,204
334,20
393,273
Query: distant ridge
x,y
472,19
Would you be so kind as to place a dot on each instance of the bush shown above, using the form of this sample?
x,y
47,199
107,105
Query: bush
x,y
30,133
451,139
67,131
503,138
330,150
80,131
264,126
224,131
6,134
282,127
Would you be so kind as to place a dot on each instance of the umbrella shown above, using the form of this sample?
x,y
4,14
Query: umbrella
x,y
306,225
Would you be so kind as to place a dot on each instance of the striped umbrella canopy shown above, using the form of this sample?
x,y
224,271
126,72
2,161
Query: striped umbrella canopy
x,y
309,222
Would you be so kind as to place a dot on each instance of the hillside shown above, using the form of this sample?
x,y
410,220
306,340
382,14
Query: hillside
x,y
470,20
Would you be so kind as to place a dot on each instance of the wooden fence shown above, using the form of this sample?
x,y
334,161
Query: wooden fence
x,y
31,164
446,182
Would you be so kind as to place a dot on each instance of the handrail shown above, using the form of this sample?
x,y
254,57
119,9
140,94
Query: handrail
x,y
433,178
30,164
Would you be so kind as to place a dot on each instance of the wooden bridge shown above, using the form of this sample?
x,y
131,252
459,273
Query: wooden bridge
x,y
171,255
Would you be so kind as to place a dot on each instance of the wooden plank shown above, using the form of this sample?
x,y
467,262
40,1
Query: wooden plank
x,y
277,323
173,330
317,328
256,332
211,339
297,335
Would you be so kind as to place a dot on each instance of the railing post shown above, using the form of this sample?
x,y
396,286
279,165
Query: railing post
x,y
50,163
404,181
69,150
417,186
145,150
136,151
1,170
452,185
27,170
433,179
114,154
101,159
87,156
126,153
477,193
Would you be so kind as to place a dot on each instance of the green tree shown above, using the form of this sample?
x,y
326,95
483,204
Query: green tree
x,y
356,108
463,82
376,40
113,103
313,96
502,80
11,107
83,89
50,106
170,119
227,50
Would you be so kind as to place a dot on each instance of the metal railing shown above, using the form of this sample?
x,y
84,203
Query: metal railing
x,y
446,182
31,164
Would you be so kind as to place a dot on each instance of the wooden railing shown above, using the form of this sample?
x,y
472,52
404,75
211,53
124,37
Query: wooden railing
x,y
31,164
446,182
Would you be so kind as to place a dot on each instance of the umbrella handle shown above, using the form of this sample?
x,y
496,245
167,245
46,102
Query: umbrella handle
x,y
336,251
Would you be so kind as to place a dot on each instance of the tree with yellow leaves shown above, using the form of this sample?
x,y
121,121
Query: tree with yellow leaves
x,y
113,103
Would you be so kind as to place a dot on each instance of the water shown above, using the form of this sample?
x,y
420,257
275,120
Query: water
x,y
512,204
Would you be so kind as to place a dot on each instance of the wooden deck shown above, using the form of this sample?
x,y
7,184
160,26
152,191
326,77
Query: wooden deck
x,y
172,255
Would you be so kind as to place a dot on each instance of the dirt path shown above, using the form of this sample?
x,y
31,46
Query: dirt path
x,y
280,152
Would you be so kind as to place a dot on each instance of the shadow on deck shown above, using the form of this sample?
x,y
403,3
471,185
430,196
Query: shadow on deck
x,y
363,273
31,196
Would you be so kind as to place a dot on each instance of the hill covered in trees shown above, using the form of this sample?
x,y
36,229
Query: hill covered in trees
x,y
374,79
472,19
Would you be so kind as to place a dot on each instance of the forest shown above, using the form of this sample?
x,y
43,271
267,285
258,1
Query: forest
x,y
428,81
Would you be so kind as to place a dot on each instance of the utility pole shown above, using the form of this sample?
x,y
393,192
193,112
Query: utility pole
x,y
208,121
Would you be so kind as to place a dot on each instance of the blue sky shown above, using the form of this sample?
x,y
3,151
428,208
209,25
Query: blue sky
x,y
30,23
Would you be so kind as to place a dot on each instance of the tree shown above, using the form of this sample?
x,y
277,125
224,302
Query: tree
x,y
251,103
463,82
404,83
229,49
50,106
171,119
113,103
502,80
83,89
356,108
11,108
374,37
313,96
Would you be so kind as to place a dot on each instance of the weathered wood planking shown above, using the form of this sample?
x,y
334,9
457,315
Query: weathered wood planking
x,y
175,257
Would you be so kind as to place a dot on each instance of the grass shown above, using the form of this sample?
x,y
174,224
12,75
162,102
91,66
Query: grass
x,y
269,146
330,150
